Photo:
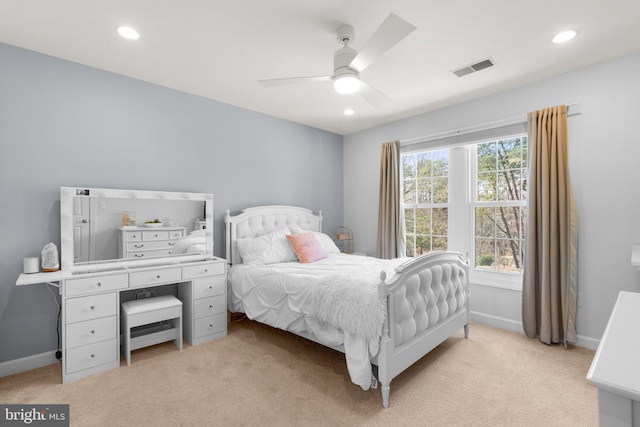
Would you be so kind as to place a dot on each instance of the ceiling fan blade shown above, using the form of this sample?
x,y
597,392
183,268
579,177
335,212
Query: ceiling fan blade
x,y
390,33
293,80
373,96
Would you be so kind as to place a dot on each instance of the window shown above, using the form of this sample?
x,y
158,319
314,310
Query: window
x,y
499,203
479,208
425,179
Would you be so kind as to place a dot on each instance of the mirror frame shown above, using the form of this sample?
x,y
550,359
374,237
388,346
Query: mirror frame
x,y
66,227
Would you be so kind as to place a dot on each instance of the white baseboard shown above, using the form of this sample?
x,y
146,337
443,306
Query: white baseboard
x,y
27,363
515,326
587,342
496,322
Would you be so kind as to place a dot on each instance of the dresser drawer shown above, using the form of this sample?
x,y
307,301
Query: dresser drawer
x,y
155,277
209,287
202,270
210,325
146,246
91,355
90,307
133,236
148,254
175,234
91,331
90,285
212,305
155,235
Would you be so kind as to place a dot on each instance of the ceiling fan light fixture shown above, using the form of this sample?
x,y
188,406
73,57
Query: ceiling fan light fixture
x,y
346,84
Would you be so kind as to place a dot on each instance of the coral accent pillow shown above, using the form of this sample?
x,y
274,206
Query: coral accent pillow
x,y
307,247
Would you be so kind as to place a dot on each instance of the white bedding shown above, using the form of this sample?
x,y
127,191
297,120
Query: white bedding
x,y
334,299
194,243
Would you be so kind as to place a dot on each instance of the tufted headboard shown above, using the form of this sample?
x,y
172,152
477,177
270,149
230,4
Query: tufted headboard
x,y
256,221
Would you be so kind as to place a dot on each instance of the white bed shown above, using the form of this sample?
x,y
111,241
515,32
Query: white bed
x,y
383,314
193,243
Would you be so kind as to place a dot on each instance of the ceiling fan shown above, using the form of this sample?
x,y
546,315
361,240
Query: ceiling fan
x,y
349,63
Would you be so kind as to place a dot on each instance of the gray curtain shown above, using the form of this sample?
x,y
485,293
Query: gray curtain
x,y
549,292
391,236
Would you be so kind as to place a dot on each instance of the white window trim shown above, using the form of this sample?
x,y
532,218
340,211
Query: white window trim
x,y
496,279
461,234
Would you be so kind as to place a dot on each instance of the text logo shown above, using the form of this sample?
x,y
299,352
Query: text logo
x,y
34,415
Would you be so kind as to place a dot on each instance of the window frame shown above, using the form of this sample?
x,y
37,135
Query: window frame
x,y
430,205
462,188
504,277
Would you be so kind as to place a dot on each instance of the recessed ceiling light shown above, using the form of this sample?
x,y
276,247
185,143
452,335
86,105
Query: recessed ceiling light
x,y
564,36
348,112
128,33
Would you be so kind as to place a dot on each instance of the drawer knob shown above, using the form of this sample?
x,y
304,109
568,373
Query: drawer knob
x,y
210,307
210,325
158,276
93,332
139,255
98,284
93,355
210,287
205,270
138,246
92,307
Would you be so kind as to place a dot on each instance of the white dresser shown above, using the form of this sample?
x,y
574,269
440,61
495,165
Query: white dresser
x,y
91,310
148,242
615,369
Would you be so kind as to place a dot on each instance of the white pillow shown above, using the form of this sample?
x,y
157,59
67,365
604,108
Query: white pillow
x,y
266,249
326,242
194,242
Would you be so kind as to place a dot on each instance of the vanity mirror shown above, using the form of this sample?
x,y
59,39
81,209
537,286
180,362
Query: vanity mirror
x,y
109,228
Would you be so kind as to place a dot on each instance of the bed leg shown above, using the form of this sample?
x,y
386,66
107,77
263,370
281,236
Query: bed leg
x,y
466,331
385,388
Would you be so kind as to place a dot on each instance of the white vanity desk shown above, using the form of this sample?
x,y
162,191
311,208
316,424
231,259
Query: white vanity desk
x,y
91,293
90,319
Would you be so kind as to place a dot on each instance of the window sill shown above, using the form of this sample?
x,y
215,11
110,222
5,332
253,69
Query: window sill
x,y
510,281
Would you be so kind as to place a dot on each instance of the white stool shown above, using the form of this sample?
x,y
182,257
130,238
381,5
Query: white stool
x,y
150,310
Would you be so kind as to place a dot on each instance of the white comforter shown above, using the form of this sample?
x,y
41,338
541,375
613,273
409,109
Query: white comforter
x,y
334,299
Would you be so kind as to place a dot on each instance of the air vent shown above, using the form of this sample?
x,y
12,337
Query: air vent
x,y
485,63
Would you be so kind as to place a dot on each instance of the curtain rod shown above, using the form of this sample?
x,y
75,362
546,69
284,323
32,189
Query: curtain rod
x,y
520,118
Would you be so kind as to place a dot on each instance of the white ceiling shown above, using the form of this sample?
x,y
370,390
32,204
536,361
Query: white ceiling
x,y
219,49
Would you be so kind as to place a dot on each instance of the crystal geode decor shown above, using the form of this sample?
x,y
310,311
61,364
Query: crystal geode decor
x,y
50,258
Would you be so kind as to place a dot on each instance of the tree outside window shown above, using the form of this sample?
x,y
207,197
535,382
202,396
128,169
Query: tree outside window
x,y
500,198
425,200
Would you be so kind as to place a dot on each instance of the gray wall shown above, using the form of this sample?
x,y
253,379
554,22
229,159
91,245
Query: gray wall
x,y
603,166
64,124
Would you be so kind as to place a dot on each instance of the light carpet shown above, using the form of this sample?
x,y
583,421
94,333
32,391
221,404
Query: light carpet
x,y
260,376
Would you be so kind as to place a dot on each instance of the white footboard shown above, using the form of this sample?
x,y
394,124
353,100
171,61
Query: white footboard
x,y
427,300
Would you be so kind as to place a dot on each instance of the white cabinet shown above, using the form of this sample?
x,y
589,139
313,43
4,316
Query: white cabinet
x,y
90,335
206,305
91,310
614,369
146,242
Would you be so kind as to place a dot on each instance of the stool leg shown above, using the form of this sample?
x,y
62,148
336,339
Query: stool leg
x,y
127,341
178,341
